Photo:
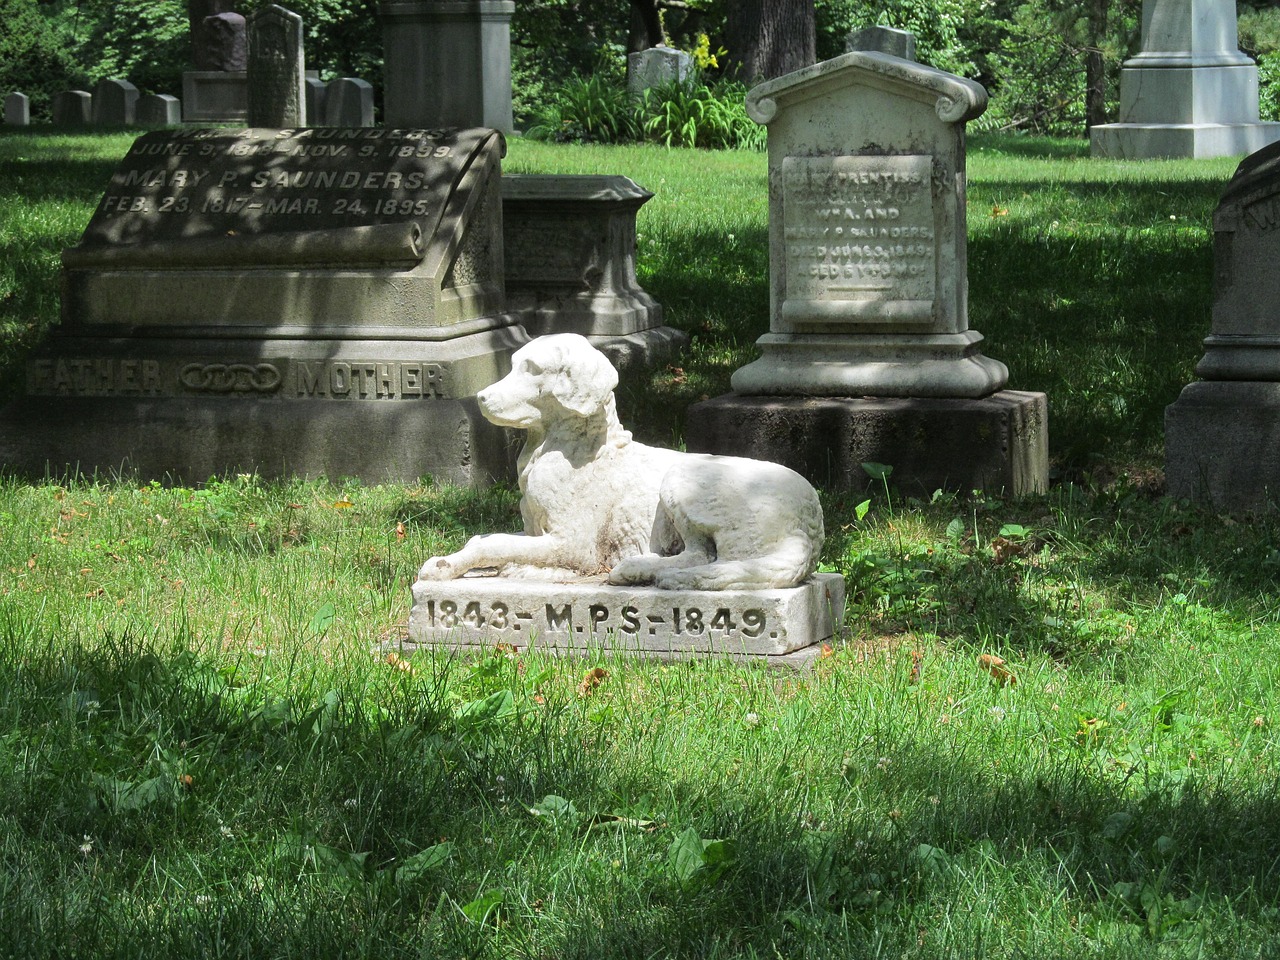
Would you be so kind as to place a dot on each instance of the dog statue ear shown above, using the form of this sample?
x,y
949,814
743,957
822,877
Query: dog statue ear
x,y
586,379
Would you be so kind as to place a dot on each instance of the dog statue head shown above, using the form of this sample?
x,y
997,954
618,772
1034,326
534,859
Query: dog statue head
x,y
562,370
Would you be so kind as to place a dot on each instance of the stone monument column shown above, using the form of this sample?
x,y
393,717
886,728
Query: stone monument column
x,y
447,63
1189,92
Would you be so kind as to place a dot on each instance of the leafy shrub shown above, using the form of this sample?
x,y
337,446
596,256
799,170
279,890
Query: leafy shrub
x,y
695,114
33,57
1269,86
588,109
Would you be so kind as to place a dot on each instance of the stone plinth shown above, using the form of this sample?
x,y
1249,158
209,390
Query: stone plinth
x,y
998,443
447,63
479,612
215,96
1221,433
570,251
1190,92
310,301
900,43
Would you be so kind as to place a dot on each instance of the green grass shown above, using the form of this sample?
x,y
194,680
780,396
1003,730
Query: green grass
x,y
204,750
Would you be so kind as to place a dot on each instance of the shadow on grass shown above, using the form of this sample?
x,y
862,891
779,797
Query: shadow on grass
x,y
1072,828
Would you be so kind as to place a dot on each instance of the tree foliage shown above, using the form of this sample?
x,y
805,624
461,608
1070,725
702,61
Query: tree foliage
x,y
34,58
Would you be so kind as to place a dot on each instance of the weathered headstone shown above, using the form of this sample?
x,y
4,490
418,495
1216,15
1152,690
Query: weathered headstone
x,y
17,110
898,43
1222,434
159,110
447,64
198,11
348,102
627,546
315,90
655,67
869,355
275,69
570,247
1190,92
222,43
115,103
315,301
72,108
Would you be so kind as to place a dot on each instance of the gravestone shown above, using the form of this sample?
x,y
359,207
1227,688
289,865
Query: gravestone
x,y
17,110
216,90
869,355
159,110
348,103
898,43
314,301
115,103
570,250
72,108
315,93
655,67
1189,92
1222,434
447,64
275,69
221,43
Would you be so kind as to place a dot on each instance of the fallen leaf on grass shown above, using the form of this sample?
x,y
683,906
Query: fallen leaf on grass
x,y
827,651
917,661
400,534
1004,549
592,679
996,667
394,659
342,504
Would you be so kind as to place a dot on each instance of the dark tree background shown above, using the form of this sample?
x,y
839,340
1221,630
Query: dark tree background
x,y
767,38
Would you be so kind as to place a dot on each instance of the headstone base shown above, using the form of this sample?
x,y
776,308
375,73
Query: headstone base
x,y
1222,445
188,409
997,443
477,612
215,96
1139,141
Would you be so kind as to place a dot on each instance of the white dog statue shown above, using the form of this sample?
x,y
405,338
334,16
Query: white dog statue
x,y
595,502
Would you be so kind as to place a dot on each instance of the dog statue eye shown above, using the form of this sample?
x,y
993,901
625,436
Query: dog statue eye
x,y
533,368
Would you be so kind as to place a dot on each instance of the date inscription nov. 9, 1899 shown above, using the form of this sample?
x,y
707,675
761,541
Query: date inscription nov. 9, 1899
x,y
217,182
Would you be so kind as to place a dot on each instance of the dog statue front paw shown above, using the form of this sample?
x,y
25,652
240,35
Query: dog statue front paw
x,y
633,571
439,568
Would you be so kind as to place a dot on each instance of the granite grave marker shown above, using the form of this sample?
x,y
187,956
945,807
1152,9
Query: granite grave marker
x,y
159,110
72,108
348,102
17,110
275,69
309,301
115,103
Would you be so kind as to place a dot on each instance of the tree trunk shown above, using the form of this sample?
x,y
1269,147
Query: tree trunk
x,y
1095,69
767,38
647,12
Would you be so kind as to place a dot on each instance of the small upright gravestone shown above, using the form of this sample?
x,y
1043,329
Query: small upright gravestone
x,y
656,66
1222,434
869,355
348,102
17,110
159,110
315,91
115,104
72,108
275,69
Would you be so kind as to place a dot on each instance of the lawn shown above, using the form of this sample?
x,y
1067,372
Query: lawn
x,y
205,750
